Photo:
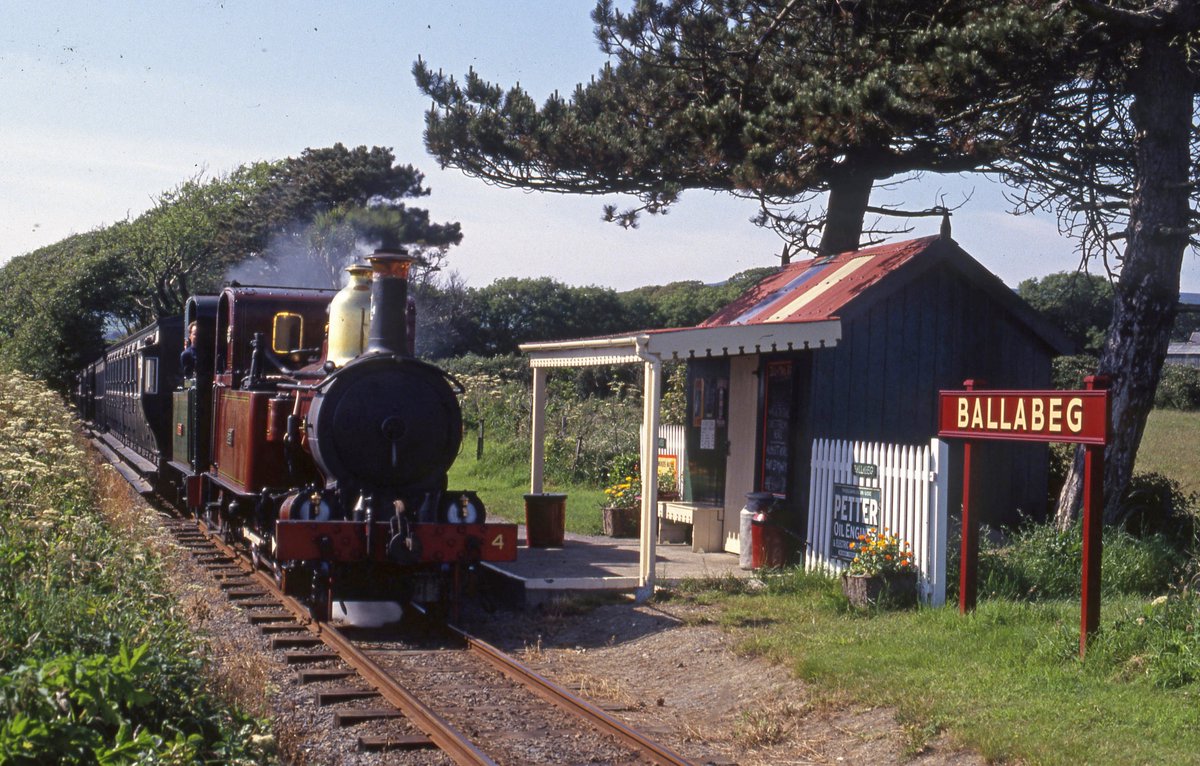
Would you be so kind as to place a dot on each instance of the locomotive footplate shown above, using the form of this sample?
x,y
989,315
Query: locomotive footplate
x,y
431,543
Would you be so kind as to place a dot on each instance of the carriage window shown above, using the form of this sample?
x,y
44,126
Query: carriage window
x,y
286,334
150,375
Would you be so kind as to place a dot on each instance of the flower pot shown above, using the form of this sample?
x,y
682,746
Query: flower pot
x,y
895,590
622,522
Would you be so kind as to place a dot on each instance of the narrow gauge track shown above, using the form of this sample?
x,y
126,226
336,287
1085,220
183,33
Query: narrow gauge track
x,y
459,694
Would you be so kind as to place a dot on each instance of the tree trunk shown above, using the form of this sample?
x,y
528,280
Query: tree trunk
x,y
1148,290
849,196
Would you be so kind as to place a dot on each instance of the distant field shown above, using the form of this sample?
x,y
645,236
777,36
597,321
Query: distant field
x,y
1171,446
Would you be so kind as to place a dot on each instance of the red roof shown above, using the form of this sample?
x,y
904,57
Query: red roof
x,y
818,289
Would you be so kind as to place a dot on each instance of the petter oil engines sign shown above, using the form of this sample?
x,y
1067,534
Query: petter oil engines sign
x,y
855,512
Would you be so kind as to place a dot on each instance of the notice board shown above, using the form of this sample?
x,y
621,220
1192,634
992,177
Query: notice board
x,y
776,428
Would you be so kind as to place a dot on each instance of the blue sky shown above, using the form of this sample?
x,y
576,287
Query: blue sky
x,y
105,105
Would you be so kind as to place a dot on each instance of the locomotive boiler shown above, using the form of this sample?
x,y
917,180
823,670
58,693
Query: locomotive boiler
x,y
308,432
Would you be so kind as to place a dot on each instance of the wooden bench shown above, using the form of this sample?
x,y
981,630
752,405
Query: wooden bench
x,y
704,519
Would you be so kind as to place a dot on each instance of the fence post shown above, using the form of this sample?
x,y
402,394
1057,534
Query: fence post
x,y
939,451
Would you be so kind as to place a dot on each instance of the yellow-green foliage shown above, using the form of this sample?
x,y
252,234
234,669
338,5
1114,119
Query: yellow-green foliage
x,y
95,666
41,465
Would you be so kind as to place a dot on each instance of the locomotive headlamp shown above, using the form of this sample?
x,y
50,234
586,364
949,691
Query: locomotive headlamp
x,y
462,508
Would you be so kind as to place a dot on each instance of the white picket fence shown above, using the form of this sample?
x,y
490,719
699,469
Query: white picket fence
x,y
856,486
672,441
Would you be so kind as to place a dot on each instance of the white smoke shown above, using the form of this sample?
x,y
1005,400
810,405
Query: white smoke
x,y
292,260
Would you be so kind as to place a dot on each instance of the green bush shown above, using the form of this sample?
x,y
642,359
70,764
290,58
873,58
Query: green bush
x,y
1179,388
124,707
1040,562
1068,372
1156,505
585,431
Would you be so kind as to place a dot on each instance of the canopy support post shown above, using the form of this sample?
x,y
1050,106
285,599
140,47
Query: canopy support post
x,y
649,469
538,428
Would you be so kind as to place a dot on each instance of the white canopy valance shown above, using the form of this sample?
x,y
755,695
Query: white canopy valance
x,y
685,343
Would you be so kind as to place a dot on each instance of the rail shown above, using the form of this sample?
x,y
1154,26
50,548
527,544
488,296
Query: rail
x,y
576,705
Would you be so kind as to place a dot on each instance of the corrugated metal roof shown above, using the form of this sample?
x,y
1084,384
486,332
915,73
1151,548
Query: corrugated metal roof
x,y
817,290
799,307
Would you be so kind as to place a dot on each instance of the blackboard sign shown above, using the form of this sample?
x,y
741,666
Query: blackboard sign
x,y
776,428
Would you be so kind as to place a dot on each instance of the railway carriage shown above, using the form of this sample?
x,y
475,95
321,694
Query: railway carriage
x,y
325,456
126,397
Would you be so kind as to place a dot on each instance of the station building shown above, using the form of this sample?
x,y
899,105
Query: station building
x,y
853,346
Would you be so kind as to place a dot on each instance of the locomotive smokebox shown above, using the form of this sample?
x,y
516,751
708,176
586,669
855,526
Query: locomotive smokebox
x,y
389,302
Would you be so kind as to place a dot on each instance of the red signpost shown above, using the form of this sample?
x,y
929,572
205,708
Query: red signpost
x,y
1079,417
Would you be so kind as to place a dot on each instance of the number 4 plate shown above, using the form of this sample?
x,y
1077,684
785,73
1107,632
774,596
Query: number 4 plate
x,y
459,542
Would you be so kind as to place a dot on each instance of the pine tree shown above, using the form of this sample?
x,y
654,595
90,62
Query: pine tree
x,y
779,101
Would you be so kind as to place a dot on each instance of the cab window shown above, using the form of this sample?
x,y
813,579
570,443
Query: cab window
x,y
286,333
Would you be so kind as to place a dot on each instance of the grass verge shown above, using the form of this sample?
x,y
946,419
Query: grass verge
x,y
1005,681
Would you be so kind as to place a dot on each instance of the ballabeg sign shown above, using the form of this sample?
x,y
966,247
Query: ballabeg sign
x,y
1079,417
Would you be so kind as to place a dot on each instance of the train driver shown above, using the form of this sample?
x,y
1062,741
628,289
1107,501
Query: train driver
x,y
187,360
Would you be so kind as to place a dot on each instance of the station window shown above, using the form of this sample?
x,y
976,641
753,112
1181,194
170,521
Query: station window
x,y
286,333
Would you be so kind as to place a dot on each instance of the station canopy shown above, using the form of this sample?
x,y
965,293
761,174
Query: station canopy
x,y
683,343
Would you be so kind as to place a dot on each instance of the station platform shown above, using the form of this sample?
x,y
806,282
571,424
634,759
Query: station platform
x,y
587,565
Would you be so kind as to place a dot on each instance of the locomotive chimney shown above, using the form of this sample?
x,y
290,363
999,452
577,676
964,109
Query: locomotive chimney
x,y
389,302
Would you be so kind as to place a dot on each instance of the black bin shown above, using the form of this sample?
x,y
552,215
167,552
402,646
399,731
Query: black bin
x,y
545,519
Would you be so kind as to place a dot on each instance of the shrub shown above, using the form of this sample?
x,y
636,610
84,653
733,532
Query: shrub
x,y
1156,505
1040,562
1179,388
585,431
1068,372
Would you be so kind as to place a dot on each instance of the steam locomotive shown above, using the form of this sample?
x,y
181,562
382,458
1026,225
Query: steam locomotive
x,y
300,424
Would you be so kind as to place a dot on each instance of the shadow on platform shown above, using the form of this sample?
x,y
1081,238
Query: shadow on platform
x,y
587,565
